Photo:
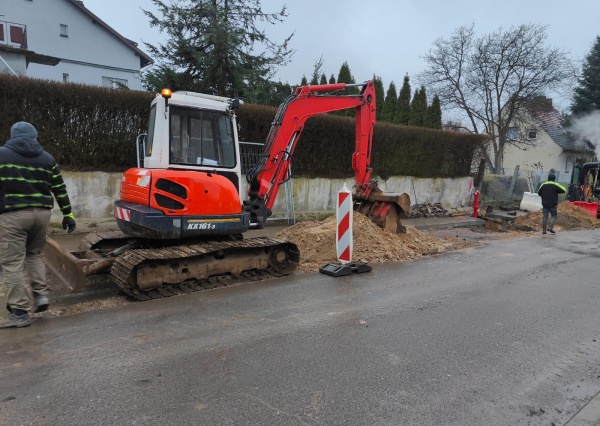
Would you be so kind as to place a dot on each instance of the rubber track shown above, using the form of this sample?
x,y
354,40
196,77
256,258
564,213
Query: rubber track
x,y
125,264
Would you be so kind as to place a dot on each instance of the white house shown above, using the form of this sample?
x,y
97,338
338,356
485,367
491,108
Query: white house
x,y
545,143
62,40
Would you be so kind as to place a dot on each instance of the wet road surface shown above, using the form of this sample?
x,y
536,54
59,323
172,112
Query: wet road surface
x,y
496,335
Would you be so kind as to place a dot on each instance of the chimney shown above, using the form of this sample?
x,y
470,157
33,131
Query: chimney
x,y
542,104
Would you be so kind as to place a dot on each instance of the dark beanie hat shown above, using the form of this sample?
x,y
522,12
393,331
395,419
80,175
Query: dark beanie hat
x,y
23,129
551,176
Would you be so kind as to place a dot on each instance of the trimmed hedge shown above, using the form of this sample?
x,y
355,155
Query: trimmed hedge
x,y
83,127
327,144
91,128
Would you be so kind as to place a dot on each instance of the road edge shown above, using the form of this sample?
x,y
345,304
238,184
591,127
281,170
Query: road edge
x,y
589,415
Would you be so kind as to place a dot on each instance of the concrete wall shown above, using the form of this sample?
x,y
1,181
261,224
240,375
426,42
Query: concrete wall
x,y
93,193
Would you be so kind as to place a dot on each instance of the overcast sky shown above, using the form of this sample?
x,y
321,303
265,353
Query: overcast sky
x,y
383,37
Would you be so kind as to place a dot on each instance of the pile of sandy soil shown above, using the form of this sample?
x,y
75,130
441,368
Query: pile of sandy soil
x,y
570,218
316,241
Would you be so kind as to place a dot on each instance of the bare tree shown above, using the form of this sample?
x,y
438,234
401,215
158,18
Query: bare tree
x,y
317,71
491,79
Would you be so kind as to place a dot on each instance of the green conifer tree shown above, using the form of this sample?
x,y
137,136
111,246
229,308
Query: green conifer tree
x,y
389,105
433,115
403,109
345,76
379,95
323,79
212,45
304,81
418,107
587,93
332,79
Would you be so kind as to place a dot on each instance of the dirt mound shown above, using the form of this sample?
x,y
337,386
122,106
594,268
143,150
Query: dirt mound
x,y
570,217
316,241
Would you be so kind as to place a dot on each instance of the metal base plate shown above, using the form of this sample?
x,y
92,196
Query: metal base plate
x,y
339,269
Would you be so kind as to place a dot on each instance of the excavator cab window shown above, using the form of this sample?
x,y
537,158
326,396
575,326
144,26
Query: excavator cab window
x,y
150,137
201,137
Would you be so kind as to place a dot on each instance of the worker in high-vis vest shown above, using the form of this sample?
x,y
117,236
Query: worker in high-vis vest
x,y
29,182
549,191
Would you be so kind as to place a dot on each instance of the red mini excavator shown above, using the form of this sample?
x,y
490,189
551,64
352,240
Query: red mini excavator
x,y
181,213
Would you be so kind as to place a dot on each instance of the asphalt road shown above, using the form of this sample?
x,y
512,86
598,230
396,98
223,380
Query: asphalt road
x,y
504,334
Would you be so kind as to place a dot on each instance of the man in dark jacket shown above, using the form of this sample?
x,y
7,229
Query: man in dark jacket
x,y
29,182
549,192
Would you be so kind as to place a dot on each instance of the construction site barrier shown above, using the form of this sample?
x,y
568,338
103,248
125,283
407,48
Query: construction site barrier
x,y
343,232
343,240
531,202
591,208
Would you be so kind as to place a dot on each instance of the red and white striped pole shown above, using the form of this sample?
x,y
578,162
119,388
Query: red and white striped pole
x,y
343,234
343,239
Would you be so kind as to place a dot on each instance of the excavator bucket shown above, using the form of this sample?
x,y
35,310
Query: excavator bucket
x,y
386,210
72,268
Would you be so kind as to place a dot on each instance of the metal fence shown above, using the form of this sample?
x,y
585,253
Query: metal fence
x,y
250,153
510,185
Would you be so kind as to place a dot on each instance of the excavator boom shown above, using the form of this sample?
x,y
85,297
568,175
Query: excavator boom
x,y
273,169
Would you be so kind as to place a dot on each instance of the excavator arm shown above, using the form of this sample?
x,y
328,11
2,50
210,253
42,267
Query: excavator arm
x,y
273,169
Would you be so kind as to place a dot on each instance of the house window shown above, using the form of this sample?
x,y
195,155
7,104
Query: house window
x,y
65,77
1,32
512,134
115,83
16,36
64,30
532,134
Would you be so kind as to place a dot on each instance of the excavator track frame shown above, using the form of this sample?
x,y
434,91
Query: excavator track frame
x,y
212,264
211,283
151,273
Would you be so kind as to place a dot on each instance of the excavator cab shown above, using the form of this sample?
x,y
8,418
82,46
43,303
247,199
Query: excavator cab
x,y
187,183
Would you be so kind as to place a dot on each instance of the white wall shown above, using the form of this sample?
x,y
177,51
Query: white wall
x,y
88,53
92,194
546,152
